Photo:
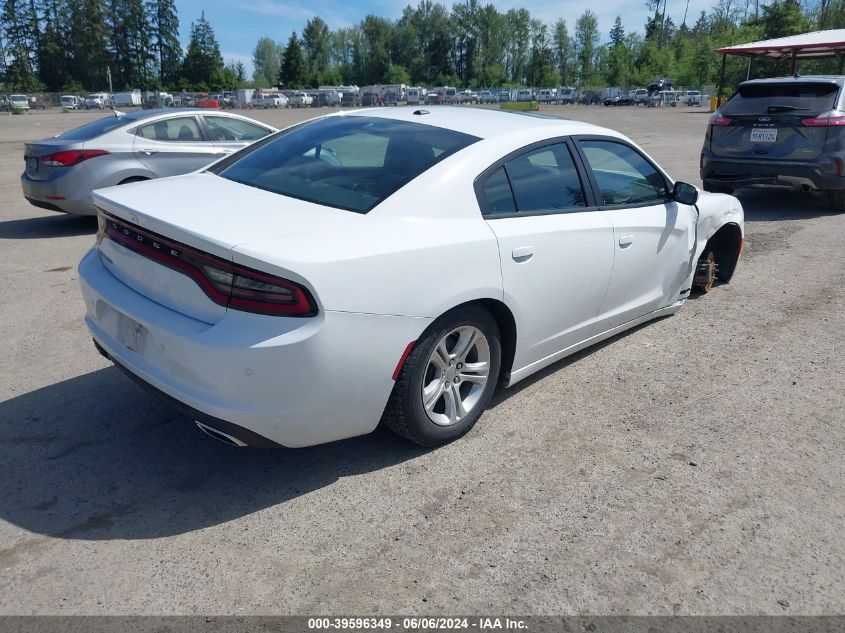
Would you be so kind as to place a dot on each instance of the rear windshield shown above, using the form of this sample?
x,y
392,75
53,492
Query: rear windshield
x,y
93,129
803,98
350,163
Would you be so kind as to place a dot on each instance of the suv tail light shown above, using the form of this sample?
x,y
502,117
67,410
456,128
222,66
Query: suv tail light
x,y
717,119
828,119
224,282
70,157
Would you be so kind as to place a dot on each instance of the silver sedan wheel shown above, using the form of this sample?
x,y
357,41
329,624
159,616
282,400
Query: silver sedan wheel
x,y
456,375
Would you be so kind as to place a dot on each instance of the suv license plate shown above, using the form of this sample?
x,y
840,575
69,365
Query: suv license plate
x,y
764,135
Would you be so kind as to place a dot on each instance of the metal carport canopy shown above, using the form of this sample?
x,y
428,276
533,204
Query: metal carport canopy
x,y
815,45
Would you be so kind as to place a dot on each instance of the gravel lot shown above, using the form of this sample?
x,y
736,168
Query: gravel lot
x,y
691,466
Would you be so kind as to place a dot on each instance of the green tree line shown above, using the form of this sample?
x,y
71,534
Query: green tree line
x,y
69,44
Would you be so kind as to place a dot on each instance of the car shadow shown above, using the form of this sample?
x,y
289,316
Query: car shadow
x,y
96,457
48,226
778,204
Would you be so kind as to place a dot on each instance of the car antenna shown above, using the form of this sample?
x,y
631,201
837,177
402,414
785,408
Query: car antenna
x,y
118,113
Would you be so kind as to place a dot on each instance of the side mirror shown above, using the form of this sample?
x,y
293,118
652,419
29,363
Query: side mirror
x,y
684,193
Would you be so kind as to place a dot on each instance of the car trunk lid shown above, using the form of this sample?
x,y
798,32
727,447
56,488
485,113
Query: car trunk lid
x,y
204,212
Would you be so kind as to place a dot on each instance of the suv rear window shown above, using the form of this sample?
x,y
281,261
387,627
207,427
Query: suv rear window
x,y
762,98
348,162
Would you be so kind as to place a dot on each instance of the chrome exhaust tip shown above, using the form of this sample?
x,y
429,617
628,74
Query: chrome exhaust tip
x,y
231,440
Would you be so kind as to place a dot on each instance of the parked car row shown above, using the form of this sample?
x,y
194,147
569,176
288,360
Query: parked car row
x,y
641,96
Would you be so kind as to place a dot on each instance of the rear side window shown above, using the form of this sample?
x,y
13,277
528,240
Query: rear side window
x,y
497,190
544,179
802,98
348,162
222,128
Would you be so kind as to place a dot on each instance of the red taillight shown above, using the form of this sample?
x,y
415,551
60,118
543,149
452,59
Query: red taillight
x,y
224,282
828,119
70,157
717,119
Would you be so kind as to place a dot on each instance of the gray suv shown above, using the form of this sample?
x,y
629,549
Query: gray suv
x,y
786,131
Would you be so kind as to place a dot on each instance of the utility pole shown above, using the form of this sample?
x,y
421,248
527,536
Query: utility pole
x,y
111,91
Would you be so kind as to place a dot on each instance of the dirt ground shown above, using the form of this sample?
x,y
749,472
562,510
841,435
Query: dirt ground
x,y
691,466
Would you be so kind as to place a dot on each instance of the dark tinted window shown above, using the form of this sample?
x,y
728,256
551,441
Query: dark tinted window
x,y
497,190
349,162
802,98
623,175
93,129
545,179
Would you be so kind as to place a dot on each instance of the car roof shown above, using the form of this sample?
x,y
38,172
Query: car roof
x,y
839,79
483,123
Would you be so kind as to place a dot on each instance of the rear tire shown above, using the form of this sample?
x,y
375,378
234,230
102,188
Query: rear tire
x,y
837,200
447,380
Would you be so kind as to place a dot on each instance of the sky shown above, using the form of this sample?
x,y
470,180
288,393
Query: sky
x,y
239,25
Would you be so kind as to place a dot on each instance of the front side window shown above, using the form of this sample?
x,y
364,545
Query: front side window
x,y
347,162
184,129
623,175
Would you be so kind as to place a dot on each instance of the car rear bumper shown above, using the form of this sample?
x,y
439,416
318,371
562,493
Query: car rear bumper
x,y
52,195
748,172
291,381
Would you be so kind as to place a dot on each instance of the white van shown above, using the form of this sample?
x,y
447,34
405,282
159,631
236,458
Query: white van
x,y
19,102
415,96
70,102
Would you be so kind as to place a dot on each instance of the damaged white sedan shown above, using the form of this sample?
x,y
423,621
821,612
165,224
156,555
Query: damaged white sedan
x,y
391,266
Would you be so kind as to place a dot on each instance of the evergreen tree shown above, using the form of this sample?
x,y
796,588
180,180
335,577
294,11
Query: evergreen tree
x,y
294,70
130,48
617,33
87,38
52,59
20,30
164,37
203,63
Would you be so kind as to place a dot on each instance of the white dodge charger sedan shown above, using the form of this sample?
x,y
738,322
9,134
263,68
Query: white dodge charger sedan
x,y
391,266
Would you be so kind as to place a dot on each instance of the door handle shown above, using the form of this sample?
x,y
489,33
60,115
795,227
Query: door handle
x,y
149,152
522,254
625,241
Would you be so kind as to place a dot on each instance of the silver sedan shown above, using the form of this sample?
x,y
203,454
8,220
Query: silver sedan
x,y
61,172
